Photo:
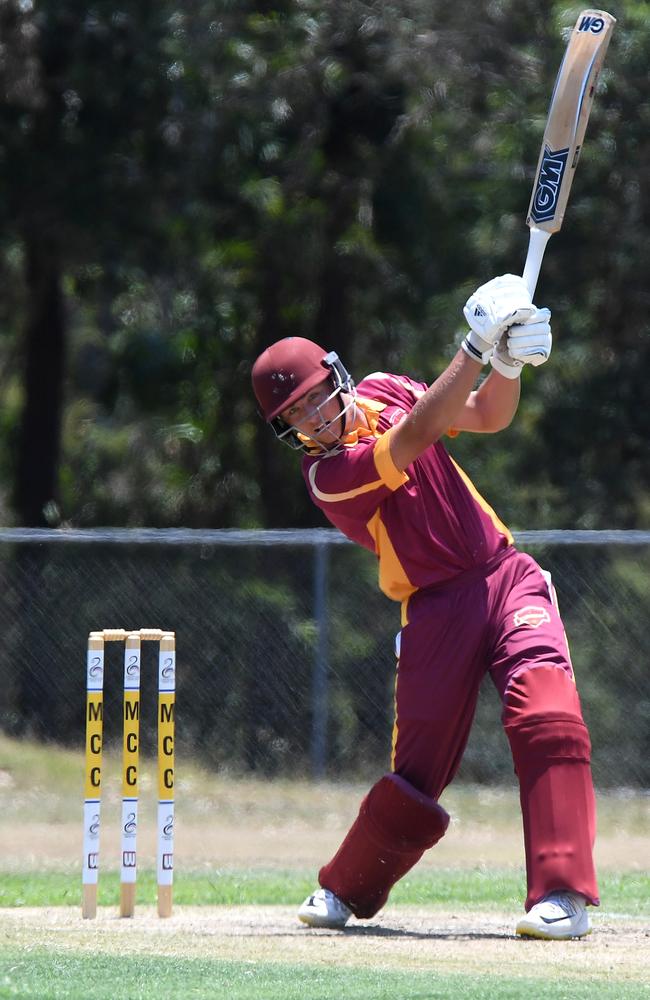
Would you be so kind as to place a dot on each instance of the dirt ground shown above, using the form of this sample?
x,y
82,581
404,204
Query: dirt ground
x,y
398,938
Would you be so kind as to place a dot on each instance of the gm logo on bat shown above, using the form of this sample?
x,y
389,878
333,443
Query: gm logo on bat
x,y
549,183
593,24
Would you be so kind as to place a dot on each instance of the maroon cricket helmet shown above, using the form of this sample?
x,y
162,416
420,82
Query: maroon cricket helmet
x,y
288,369
285,371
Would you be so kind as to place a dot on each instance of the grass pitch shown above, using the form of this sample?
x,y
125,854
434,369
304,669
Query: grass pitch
x,y
258,951
66,977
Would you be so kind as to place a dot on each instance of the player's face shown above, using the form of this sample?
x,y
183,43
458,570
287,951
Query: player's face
x,y
317,415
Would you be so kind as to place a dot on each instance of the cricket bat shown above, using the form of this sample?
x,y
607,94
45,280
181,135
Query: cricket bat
x,y
568,114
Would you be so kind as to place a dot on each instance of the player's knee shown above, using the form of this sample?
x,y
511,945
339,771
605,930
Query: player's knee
x,y
400,815
543,718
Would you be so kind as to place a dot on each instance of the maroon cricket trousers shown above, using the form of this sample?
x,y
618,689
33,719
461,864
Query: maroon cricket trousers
x,y
500,619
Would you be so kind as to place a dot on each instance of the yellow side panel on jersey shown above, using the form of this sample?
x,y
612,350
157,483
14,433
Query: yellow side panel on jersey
x,y
385,466
393,580
483,504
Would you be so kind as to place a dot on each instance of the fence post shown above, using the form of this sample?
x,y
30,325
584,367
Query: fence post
x,y
320,673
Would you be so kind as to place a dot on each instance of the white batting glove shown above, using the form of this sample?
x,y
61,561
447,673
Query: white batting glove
x,y
527,343
492,308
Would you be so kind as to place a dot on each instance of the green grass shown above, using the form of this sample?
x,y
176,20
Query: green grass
x,y
459,888
68,976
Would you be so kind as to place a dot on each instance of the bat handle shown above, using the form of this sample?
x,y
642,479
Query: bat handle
x,y
536,247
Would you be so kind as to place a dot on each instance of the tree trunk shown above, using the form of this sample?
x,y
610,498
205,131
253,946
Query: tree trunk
x,y
35,490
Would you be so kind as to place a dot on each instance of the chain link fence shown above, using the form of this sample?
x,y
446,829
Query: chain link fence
x,y
285,645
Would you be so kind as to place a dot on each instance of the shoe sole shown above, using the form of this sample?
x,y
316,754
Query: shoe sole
x,y
542,936
323,924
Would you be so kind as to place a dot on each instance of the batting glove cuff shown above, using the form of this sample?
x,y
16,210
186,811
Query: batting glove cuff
x,y
478,349
506,366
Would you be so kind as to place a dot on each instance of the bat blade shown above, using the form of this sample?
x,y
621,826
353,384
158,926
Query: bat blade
x,y
568,114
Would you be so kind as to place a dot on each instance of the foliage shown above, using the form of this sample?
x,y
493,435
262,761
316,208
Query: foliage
x,y
184,185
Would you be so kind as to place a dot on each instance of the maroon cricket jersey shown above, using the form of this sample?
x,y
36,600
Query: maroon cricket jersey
x,y
426,525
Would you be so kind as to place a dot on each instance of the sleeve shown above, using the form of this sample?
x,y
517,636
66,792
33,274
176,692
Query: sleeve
x,y
398,390
354,482
395,390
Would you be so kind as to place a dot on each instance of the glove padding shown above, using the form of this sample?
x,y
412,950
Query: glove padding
x,y
493,308
526,343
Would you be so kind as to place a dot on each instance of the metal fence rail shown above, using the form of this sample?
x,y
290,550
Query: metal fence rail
x,y
283,536
286,646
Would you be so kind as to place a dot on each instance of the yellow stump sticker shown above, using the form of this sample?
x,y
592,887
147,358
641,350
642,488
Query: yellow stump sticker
x,y
131,743
166,746
94,723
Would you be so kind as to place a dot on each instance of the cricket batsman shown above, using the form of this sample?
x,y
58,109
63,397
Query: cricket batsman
x,y
375,464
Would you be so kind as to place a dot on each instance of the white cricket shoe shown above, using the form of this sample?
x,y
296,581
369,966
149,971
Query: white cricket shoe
x,y
324,909
557,917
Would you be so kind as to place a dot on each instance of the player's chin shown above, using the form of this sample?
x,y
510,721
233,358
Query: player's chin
x,y
330,434
327,444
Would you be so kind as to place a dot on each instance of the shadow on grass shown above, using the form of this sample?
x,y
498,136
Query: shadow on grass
x,y
400,932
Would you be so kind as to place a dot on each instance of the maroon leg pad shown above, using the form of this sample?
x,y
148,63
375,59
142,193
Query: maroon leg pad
x,y
395,825
551,752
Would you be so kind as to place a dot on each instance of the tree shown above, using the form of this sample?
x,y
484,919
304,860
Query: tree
x,y
186,184
86,166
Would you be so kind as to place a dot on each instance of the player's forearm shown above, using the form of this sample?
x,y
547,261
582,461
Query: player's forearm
x,y
435,412
495,401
